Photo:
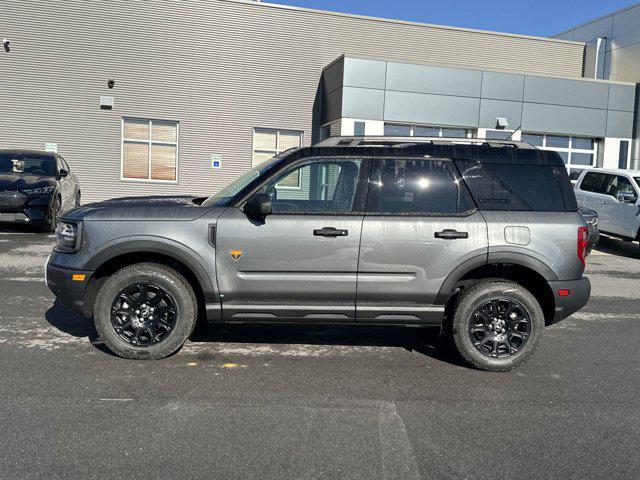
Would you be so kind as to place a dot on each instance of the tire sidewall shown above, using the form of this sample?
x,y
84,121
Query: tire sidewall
x,y
162,277
479,295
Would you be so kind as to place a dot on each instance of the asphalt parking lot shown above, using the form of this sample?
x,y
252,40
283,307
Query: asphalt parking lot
x,y
296,403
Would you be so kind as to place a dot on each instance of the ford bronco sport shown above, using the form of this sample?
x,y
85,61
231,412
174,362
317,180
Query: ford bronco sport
x,y
478,237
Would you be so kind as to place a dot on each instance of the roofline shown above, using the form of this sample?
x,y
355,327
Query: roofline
x,y
481,69
400,22
597,19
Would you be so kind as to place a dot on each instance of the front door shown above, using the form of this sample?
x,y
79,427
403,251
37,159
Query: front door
x,y
300,263
420,224
622,215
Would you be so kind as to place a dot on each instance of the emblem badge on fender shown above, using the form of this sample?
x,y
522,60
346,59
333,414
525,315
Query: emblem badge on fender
x,y
236,254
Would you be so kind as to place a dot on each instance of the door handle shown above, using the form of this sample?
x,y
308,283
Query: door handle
x,y
603,202
330,232
450,234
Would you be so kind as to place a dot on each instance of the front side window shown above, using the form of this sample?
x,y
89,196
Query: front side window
x,y
269,142
416,186
149,149
326,186
619,184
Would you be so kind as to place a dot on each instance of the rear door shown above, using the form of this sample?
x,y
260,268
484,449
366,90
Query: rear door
x,y
300,263
420,224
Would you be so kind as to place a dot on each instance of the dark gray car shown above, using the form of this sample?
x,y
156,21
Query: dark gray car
x,y
481,239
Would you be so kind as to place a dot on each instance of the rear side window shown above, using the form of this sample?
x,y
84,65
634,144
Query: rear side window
x,y
512,187
594,182
416,186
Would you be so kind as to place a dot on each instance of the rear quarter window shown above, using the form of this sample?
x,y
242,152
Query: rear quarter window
x,y
514,187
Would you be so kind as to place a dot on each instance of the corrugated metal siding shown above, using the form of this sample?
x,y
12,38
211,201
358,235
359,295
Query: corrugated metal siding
x,y
218,67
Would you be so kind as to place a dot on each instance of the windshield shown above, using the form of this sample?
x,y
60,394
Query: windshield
x,y
637,179
27,164
223,197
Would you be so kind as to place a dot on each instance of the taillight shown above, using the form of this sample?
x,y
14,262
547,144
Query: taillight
x,y
583,243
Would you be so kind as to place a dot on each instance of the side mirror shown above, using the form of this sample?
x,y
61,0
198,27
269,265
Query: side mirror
x,y
63,173
627,197
258,206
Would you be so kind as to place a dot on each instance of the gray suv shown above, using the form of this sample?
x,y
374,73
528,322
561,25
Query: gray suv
x,y
483,239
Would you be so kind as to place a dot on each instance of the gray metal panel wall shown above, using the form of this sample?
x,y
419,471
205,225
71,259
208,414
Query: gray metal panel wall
x,y
218,67
446,96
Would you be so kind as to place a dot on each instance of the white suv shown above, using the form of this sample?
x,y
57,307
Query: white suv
x,y
614,195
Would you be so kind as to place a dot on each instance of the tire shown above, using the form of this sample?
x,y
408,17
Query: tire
x,y
497,342
54,213
135,335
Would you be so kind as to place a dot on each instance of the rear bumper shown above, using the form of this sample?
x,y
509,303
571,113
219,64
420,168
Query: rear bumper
x,y
70,292
579,293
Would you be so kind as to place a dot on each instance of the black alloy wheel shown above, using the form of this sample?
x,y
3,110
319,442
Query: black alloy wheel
x,y
500,328
143,314
496,324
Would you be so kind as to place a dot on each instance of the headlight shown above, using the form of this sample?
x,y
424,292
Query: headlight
x,y
38,191
66,236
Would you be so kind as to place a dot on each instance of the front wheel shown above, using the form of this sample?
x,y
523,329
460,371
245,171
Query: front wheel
x,y
145,311
497,325
54,213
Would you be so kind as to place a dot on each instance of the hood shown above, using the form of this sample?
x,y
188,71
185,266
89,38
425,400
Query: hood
x,y
19,181
159,207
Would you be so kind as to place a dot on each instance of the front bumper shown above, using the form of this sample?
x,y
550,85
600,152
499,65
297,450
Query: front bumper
x,y
579,293
20,208
68,285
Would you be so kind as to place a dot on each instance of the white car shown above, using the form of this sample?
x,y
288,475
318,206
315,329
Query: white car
x,y
614,194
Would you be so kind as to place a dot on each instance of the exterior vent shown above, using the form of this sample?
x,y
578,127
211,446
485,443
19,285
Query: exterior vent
x,y
106,103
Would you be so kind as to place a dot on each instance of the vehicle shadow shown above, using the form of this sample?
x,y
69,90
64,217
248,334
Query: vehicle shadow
x,y
73,324
426,341
619,248
20,228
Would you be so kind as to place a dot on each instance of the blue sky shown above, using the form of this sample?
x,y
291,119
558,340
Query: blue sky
x,y
531,17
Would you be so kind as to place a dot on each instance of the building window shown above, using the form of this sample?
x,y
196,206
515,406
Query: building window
x,y
149,150
268,142
623,154
398,130
358,129
498,134
578,153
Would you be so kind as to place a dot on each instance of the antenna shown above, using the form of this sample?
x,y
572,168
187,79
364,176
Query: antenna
x,y
511,134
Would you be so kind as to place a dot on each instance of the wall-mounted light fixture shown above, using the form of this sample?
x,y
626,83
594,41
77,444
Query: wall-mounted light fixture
x,y
502,123
5,43
111,83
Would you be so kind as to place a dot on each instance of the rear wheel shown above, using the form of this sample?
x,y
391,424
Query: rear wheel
x,y
497,325
145,311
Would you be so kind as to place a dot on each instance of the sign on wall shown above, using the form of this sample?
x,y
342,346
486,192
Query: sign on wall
x,y
51,147
216,160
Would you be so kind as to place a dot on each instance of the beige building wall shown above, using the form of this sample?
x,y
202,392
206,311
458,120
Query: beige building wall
x,y
218,67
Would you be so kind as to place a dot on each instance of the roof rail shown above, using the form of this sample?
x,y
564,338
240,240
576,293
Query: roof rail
x,y
382,141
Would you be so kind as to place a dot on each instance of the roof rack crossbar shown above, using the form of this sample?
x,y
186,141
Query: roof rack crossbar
x,y
382,141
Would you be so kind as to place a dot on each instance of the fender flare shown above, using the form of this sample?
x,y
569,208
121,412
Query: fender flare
x,y
514,258
167,247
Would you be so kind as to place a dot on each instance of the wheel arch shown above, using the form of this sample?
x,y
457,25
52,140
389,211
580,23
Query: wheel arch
x,y
525,270
120,255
